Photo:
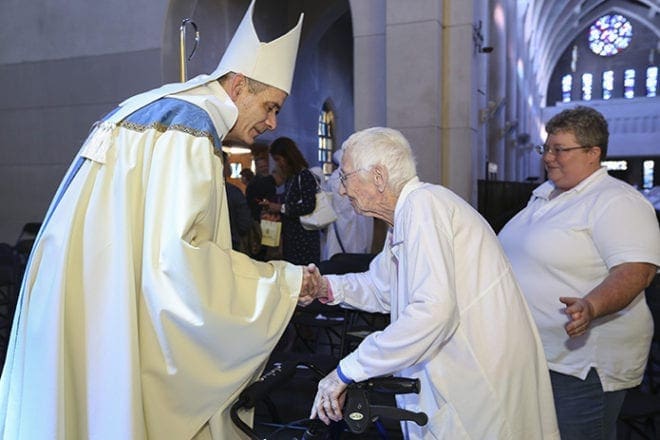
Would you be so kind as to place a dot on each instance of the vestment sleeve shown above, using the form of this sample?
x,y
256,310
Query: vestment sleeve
x,y
368,291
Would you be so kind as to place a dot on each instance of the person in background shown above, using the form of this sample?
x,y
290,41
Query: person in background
x,y
273,252
317,172
280,184
246,176
584,249
459,322
299,246
127,321
262,186
352,232
240,218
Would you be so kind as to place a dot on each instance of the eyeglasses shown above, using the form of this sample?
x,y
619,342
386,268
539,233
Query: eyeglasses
x,y
344,176
555,151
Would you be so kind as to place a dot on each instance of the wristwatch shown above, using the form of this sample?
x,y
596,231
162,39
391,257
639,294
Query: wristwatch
x,y
283,208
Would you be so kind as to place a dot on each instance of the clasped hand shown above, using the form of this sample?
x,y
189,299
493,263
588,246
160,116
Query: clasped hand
x,y
313,285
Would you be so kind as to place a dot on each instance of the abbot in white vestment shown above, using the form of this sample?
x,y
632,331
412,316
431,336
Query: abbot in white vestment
x,y
136,319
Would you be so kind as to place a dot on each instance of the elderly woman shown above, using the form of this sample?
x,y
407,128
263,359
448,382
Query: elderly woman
x,y
590,242
459,322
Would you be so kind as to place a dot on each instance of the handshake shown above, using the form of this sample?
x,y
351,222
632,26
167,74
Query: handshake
x,y
314,285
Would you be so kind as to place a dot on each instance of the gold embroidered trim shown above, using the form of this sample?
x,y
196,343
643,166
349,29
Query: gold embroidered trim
x,y
163,128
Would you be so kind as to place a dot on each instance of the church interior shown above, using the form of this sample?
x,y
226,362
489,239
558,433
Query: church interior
x,y
469,83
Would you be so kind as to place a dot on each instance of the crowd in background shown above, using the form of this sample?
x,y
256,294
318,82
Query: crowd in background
x,y
282,194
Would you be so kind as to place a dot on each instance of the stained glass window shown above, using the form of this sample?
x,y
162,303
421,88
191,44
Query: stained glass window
x,y
610,34
566,85
651,80
608,84
587,84
648,178
629,83
326,139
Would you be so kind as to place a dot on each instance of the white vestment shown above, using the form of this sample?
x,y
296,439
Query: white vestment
x,y
136,319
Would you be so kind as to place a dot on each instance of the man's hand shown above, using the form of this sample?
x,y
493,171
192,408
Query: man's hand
x,y
311,285
329,399
581,312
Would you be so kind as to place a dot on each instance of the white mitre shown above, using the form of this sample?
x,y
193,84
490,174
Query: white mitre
x,y
270,63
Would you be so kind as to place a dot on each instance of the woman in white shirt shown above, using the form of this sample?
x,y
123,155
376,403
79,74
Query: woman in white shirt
x,y
583,250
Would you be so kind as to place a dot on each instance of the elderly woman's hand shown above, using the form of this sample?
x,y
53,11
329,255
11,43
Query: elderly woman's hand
x,y
581,312
311,285
329,399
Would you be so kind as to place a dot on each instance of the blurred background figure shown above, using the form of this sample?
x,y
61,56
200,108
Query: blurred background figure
x,y
298,244
246,176
261,186
277,180
280,179
352,232
317,172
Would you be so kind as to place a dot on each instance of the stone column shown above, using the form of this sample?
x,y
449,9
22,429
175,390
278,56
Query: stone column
x,y
369,63
429,86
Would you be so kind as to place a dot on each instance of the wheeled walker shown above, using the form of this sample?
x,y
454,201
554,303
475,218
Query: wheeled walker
x,y
360,412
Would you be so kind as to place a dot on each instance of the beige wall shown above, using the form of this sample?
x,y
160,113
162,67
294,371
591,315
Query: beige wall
x,y
63,65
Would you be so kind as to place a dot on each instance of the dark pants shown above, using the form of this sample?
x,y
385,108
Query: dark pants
x,y
584,410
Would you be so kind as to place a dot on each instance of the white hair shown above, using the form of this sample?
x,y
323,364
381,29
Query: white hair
x,y
386,147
